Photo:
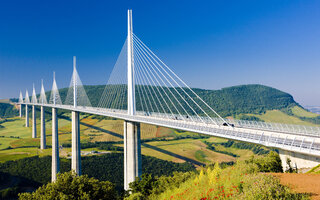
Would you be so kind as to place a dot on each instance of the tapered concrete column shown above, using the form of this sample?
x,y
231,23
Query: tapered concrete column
x,y
76,154
43,144
34,123
55,146
299,160
27,116
20,110
132,152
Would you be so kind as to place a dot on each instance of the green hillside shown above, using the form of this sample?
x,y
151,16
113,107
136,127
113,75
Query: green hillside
x,y
227,101
248,102
7,110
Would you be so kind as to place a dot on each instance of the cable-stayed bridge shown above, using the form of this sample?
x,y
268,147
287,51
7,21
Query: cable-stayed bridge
x,y
143,89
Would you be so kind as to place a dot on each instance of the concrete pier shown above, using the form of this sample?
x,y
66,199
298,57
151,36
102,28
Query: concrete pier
x,y
43,144
55,146
27,116
76,154
301,161
132,152
34,122
20,110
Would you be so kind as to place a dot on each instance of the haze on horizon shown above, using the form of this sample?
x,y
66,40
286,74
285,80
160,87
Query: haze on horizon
x,y
210,45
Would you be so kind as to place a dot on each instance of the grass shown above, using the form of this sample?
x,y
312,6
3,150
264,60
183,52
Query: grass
x,y
241,181
300,112
201,156
185,148
92,130
5,142
243,154
18,153
314,170
281,117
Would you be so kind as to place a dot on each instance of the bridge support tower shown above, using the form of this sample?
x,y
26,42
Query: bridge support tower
x,y
55,146
20,110
34,122
43,130
132,152
76,154
132,146
27,116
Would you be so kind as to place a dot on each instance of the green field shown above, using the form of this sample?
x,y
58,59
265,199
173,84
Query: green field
x,y
17,138
298,111
16,141
281,117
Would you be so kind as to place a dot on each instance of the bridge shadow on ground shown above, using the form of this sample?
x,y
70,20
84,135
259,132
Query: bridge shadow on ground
x,y
173,154
146,145
61,116
102,130
142,144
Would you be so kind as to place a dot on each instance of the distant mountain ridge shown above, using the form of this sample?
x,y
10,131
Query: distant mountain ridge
x,y
253,98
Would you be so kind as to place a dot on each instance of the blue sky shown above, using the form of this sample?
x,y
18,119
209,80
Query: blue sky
x,y
209,44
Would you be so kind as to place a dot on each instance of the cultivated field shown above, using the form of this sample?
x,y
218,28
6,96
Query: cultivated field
x,y
16,141
302,183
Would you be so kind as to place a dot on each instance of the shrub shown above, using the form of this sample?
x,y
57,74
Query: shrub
x,y
241,181
269,163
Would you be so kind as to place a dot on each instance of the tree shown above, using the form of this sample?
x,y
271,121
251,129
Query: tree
x,y
269,163
70,186
289,168
143,185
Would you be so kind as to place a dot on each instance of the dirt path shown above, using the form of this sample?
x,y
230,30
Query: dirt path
x,y
302,183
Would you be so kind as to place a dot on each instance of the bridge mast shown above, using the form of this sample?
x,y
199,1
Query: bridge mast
x,y
74,83
55,162
34,119
132,145
27,111
43,121
131,85
75,135
20,105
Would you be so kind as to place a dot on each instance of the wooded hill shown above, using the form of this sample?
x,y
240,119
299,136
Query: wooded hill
x,y
254,98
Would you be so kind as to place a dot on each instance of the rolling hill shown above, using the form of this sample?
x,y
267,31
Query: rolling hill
x,y
254,99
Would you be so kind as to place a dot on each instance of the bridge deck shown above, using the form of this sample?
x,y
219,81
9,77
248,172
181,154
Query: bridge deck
x,y
284,137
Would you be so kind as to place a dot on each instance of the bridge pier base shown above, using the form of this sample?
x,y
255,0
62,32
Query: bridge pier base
x,y
76,154
34,123
43,130
299,160
27,116
55,146
132,152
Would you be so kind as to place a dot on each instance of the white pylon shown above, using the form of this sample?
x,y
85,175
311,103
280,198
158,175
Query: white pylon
x,y
74,82
130,63
34,96
76,95
55,97
43,98
26,98
20,97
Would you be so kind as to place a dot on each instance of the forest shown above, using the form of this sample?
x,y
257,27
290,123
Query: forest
x,y
227,101
35,171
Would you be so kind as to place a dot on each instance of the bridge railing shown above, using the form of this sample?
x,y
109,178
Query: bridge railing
x,y
268,134
278,127
298,143
268,126
313,131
